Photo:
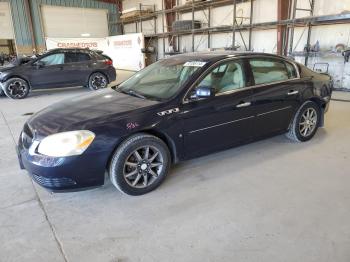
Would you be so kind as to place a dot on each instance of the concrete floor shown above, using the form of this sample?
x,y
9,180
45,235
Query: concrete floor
x,y
269,201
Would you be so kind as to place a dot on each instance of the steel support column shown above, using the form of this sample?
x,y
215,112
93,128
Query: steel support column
x,y
283,9
169,19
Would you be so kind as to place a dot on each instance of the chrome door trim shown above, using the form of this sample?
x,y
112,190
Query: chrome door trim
x,y
244,104
226,123
273,111
293,92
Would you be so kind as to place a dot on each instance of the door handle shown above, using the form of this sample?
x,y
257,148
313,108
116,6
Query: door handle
x,y
243,104
292,92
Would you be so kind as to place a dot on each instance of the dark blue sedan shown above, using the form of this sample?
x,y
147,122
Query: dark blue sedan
x,y
176,109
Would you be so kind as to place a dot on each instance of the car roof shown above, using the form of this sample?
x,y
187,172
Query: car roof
x,y
213,56
74,49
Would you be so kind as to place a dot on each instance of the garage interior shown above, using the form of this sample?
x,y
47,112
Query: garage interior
x,y
272,200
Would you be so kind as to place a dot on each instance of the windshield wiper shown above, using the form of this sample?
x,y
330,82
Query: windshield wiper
x,y
132,93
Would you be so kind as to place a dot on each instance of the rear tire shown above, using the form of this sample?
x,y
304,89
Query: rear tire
x,y
97,81
16,88
305,122
140,164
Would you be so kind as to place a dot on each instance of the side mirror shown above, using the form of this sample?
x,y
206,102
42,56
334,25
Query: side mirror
x,y
39,64
204,92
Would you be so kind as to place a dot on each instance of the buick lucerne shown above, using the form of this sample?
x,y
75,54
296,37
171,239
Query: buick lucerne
x,y
176,109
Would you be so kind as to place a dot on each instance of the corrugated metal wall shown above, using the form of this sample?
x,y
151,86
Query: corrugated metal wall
x,y
21,19
20,25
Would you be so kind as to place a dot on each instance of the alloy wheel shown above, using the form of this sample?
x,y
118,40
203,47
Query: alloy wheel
x,y
308,122
143,166
17,89
99,81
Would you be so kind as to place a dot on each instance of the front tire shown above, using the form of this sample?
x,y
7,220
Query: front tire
x,y
97,81
16,88
305,123
140,164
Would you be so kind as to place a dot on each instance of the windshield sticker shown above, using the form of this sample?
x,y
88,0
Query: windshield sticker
x,y
195,63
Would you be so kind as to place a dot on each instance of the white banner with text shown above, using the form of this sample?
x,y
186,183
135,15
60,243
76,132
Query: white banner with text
x,y
125,50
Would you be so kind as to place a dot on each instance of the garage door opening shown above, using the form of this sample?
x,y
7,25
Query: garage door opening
x,y
7,51
59,21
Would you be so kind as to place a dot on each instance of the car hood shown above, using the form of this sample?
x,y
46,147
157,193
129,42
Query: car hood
x,y
86,111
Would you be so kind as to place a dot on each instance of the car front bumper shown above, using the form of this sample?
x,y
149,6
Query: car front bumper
x,y
61,174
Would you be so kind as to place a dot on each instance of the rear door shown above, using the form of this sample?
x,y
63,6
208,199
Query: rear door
x,y
78,67
276,91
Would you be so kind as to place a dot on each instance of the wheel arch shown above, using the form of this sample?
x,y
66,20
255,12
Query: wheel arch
x,y
18,76
318,102
165,138
322,106
97,71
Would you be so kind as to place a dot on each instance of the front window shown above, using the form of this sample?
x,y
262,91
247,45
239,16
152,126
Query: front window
x,y
225,77
160,80
54,59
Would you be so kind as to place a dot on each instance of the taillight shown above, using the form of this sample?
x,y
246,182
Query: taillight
x,y
108,62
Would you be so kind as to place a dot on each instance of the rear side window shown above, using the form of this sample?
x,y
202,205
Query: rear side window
x,y
267,70
73,57
70,57
81,57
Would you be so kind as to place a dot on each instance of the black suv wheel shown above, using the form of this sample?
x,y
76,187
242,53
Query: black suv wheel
x,y
97,81
16,88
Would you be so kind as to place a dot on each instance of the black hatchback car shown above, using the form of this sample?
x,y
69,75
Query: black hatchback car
x,y
175,109
58,68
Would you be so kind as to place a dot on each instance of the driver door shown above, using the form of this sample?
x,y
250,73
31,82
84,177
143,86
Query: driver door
x,y
48,71
221,121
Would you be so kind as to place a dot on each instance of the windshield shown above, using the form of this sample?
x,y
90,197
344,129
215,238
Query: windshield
x,y
160,80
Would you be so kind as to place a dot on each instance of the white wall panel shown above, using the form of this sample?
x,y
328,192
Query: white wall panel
x,y
129,28
264,41
324,7
264,11
331,35
222,16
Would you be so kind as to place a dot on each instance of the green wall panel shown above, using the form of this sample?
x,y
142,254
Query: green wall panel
x,y
21,20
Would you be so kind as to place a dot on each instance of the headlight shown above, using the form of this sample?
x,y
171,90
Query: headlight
x,y
66,143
